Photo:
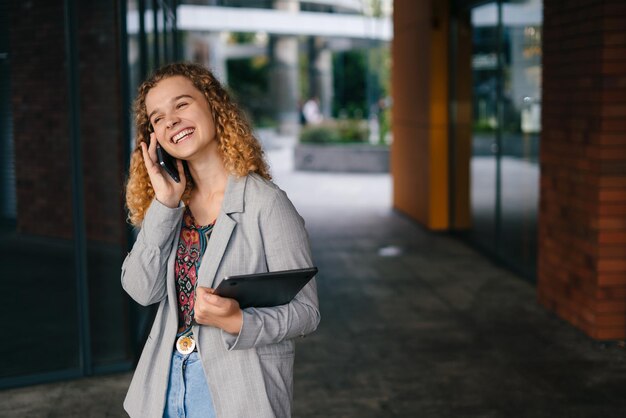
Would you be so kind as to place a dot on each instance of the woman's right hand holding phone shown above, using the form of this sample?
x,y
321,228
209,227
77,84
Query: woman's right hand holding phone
x,y
167,191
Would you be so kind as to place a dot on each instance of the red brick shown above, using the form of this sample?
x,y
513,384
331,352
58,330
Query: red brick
x,y
608,138
611,279
610,223
612,96
612,209
611,265
614,8
614,111
611,251
613,67
608,181
618,293
613,23
613,125
611,237
614,53
614,333
606,320
612,195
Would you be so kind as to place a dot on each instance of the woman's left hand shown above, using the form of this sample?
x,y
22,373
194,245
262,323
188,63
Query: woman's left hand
x,y
216,311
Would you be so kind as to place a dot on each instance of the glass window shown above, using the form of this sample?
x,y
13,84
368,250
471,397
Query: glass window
x,y
38,281
62,164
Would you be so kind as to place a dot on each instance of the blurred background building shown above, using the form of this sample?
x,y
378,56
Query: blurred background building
x,y
511,139
509,126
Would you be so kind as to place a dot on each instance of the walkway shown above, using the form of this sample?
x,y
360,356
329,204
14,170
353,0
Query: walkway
x,y
414,324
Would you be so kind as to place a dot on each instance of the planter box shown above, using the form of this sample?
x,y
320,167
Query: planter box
x,y
344,158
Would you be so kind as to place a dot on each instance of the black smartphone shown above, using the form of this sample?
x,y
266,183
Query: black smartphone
x,y
168,163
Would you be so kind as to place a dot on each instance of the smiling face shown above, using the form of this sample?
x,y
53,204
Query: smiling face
x,y
181,118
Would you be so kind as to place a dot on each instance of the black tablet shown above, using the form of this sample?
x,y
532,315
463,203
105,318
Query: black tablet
x,y
265,289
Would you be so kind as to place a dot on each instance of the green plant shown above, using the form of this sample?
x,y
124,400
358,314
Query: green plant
x,y
384,120
483,125
353,130
344,131
319,134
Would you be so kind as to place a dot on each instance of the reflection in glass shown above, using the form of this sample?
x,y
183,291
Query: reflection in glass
x,y
506,70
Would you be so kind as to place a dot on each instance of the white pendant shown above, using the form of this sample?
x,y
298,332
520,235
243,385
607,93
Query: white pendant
x,y
185,344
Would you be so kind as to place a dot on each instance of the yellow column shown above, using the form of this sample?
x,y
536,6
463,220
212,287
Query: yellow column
x,y
419,156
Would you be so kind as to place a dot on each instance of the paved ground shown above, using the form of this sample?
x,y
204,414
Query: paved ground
x,y
414,324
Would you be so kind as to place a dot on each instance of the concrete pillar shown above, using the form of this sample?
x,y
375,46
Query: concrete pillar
x,y
321,74
284,75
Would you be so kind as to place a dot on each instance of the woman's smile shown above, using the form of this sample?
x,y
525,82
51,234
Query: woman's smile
x,y
182,135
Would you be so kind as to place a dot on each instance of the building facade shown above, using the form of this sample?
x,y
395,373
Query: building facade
x,y
68,72
509,129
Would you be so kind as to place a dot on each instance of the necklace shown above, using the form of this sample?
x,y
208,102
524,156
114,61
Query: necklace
x,y
191,248
185,344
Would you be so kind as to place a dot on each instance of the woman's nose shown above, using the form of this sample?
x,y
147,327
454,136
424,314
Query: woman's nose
x,y
172,121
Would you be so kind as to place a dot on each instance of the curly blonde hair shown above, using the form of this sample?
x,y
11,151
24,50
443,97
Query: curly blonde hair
x,y
240,150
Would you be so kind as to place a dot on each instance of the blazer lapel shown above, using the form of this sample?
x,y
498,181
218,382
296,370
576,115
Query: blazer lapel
x,y
223,229
171,273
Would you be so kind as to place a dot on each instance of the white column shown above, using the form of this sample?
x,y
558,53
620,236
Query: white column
x,y
208,49
321,74
284,75
217,56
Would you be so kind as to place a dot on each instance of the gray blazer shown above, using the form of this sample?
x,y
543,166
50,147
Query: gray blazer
x,y
249,375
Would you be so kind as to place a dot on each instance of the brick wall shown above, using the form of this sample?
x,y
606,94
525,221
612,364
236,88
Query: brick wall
x,y
41,119
582,220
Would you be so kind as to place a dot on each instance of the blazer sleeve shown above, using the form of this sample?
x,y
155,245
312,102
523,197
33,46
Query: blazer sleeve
x,y
286,245
144,270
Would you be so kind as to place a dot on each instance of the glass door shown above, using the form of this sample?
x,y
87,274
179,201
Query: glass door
x,y
485,93
506,103
521,127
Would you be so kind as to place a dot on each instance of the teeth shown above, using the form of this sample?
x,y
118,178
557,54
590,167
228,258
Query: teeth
x,y
181,135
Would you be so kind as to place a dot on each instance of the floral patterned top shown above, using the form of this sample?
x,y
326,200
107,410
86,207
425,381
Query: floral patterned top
x,y
191,247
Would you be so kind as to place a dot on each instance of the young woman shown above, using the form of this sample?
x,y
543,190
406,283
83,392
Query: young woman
x,y
205,356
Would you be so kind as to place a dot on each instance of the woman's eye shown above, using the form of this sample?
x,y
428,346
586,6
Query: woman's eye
x,y
179,105
156,120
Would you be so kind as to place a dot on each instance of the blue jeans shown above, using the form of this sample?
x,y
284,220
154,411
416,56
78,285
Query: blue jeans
x,y
188,394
